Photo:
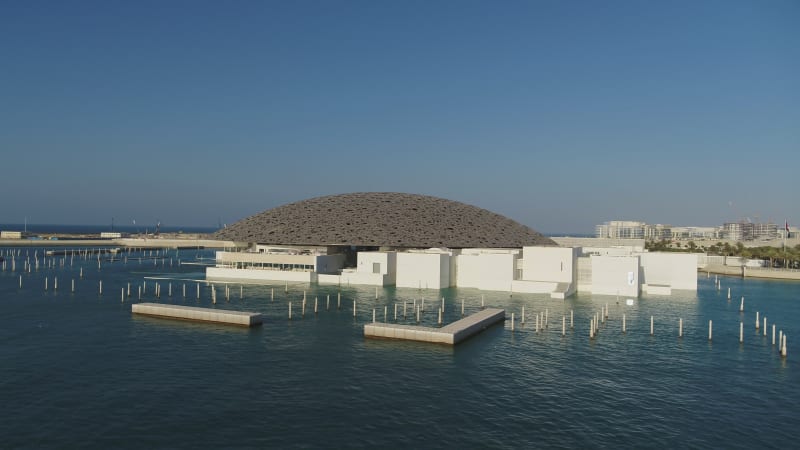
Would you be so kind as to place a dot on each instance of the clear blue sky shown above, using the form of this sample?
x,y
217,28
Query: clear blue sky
x,y
559,114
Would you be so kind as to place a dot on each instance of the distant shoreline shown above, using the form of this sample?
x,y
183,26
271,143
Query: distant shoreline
x,y
170,240
751,272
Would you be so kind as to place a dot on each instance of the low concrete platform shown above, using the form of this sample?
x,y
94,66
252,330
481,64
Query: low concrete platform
x,y
193,313
451,334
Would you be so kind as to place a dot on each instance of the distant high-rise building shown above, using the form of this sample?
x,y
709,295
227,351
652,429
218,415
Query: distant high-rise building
x,y
765,231
657,232
696,233
621,229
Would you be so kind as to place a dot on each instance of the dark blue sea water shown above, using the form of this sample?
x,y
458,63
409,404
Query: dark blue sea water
x,y
77,370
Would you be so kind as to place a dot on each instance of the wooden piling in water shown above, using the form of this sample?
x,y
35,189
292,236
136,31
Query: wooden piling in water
x,y
783,352
710,327
741,332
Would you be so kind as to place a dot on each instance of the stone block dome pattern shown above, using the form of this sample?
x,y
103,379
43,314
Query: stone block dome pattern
x,y
382,219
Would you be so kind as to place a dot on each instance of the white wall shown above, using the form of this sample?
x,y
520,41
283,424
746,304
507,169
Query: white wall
x,y
387,261
365,265
347,278
248,257
468,270
487,271
423,270
677,270
262,275
534,287
549,264
615,275
329,264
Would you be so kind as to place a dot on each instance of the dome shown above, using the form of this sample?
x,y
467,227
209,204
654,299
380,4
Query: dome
x,y
382,219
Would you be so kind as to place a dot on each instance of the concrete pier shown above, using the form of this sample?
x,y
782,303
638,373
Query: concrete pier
x,y
193,313
451,334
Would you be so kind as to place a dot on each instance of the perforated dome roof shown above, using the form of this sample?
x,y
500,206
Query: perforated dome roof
x,y
385,219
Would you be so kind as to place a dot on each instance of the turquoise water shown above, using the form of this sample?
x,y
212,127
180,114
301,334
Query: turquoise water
x,y
78,370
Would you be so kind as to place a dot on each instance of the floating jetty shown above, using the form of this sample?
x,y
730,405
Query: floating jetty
x,y
193,313
451,334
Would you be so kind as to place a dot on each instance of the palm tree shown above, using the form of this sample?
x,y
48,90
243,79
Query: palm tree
x,y
728,249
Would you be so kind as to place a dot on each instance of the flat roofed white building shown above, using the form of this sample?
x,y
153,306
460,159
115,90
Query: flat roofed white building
x,y
487,269
424,270
274,266
662,272
615,275
372,269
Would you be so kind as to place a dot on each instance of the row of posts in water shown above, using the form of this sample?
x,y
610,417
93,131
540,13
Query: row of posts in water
x,y
540,323
33,263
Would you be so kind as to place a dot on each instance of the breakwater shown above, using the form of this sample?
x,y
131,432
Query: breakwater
x,y
197,314
751,272
451,334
